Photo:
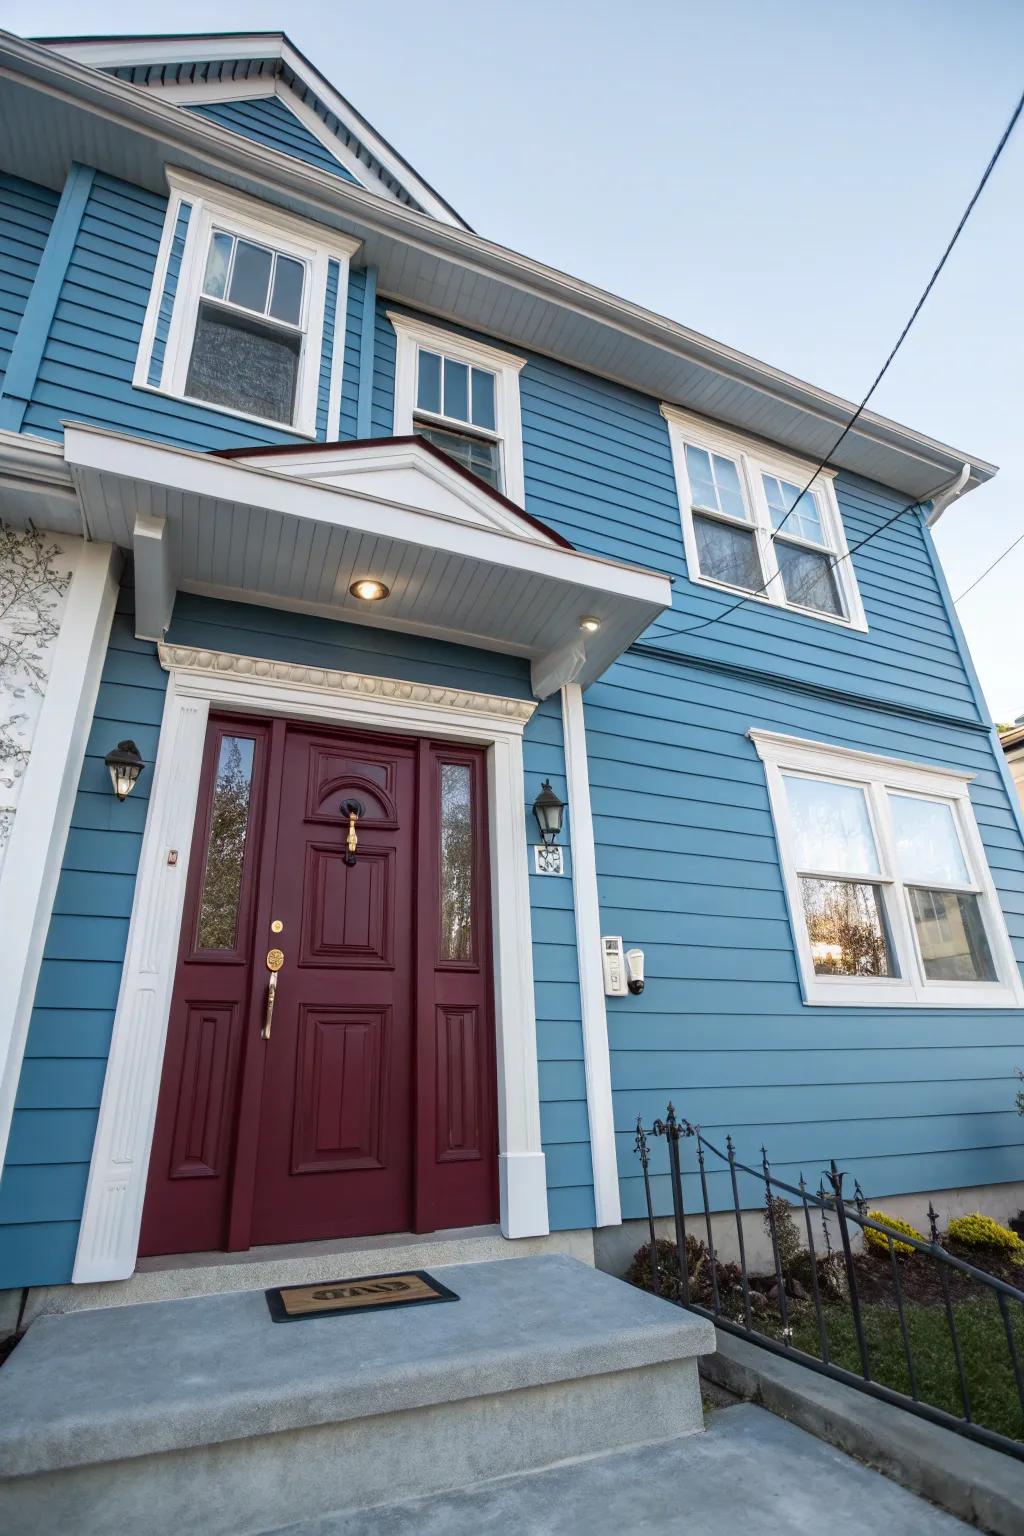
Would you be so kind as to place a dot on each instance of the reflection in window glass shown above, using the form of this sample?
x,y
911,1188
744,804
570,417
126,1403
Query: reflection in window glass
x,y
726,553
222,877
809,578
715,483
847,929
831,827
456,862
799,513
951,936
477,454
927,845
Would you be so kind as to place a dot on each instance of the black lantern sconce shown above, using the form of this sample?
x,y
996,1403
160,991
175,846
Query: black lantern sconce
x,y
125,764
548,810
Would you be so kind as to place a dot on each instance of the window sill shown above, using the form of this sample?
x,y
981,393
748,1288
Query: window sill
x,y
767,602
900,995
227,410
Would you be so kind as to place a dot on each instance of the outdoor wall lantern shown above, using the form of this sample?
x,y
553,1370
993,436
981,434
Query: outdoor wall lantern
x,y
548,810
125,766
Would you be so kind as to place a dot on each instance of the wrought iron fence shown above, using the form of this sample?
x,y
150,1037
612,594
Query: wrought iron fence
x,y
729,1298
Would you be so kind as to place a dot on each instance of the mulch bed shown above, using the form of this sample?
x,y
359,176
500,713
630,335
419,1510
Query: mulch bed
x,y
921,1281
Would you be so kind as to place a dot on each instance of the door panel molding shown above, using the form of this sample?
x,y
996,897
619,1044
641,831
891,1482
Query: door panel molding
x,y
199,680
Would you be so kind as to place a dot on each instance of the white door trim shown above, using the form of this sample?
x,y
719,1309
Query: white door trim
x,y
201,680
596,1055
32,865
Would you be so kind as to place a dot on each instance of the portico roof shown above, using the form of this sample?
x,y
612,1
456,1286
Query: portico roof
x,y
296,528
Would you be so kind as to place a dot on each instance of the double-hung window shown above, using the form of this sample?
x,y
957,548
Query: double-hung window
x,y
246,312
889,890
463,397
755,523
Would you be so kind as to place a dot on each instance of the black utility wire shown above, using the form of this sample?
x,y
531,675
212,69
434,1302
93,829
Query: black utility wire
x,y
879,376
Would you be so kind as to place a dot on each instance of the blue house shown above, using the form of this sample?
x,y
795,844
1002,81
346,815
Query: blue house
x,y
445,716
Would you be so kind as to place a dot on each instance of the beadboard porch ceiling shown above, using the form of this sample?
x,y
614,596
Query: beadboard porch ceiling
x,y
54,111
200,523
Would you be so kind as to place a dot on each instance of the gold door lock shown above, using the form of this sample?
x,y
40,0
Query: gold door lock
x,y
275,960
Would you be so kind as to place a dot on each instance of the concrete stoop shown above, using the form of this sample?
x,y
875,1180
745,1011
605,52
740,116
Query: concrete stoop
x,y
205,1415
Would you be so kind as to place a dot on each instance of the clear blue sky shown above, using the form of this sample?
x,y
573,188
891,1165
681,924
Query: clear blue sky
x,y
780,174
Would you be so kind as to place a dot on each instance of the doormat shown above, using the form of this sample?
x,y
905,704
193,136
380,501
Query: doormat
x,y
367,1293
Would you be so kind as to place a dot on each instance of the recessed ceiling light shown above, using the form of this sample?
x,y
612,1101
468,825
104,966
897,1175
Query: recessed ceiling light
x,y
590,624
369,590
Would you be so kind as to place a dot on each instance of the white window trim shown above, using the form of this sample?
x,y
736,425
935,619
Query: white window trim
x,y
754,458
413,334
783,754
212,205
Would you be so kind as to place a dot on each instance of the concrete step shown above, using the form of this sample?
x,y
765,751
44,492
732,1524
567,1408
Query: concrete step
x,y
179,1275
205,1415
749,1472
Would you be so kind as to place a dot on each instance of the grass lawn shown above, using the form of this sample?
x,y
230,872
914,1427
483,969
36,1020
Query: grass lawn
x,y
987,1367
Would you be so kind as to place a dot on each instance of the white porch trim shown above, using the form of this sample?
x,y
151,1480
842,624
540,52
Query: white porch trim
x,y
31,867
596,1055
199,680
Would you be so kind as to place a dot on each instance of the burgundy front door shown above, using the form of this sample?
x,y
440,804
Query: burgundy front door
x,y
369,1105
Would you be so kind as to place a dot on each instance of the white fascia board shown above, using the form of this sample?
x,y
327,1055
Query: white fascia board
x,y
277,175
128,52
224,480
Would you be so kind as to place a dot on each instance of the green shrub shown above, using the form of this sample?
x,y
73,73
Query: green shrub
x,y
977,1231
880,1242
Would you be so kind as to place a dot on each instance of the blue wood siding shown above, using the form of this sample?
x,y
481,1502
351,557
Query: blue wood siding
x,y
268,121
43,1183
327,430
26,214
348,427
688,870
163,321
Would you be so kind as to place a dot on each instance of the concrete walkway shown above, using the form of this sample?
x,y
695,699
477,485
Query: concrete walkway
x,y
750,1472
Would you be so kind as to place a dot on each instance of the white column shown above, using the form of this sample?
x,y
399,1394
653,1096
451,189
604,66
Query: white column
x,y
596,1058
108,1240
522,1173
31,868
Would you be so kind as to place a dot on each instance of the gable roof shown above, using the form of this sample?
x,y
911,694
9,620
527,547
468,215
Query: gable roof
x,y
330,461
202,69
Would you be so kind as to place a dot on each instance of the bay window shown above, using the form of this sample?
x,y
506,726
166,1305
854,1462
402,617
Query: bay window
x,y
890,894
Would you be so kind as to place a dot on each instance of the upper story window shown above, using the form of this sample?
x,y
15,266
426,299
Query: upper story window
x,y
750,527
462,396
247,310
890,893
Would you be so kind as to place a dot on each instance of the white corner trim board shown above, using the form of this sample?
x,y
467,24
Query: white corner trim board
x,y
109,1235
31,868
596,1056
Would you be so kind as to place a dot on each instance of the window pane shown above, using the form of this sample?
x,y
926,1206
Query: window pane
x,y
428,391
702,481
217,263
805,521
846,925
473,453
727,554
286,303
250,279
456,862
456,390
483,399
809,578
951,936
222,878
730,497
831,827
242,364
927,844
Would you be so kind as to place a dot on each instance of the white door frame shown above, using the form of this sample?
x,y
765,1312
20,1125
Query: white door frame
x,y
200,680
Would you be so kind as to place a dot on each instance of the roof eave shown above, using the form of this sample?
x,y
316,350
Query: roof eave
x,y
919,461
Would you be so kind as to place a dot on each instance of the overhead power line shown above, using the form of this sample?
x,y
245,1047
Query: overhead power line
x,y
997,561
879,376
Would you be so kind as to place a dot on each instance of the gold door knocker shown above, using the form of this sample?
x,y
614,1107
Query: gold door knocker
x,y
353,809
275,960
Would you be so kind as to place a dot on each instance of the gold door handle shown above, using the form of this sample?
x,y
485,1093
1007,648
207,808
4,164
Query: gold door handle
x,y
275,960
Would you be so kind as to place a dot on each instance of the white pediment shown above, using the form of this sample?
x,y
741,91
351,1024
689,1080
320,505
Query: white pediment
x,y
404,472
